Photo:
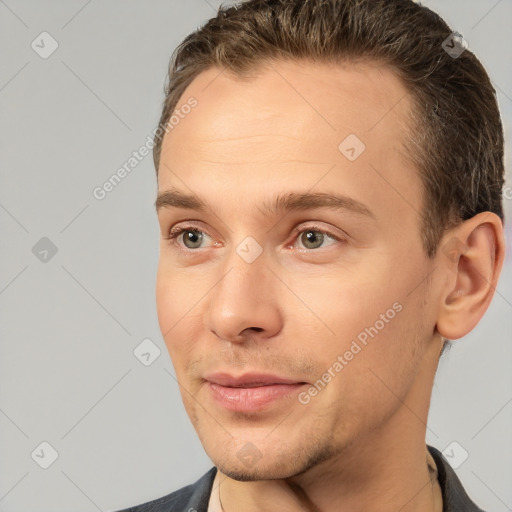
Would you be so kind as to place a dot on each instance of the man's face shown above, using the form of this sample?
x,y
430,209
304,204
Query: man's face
x,y
295,333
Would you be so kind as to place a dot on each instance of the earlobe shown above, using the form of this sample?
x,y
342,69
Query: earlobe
x,y
472,256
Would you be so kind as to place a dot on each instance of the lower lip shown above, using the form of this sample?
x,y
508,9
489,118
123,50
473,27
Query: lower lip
x,y
251,399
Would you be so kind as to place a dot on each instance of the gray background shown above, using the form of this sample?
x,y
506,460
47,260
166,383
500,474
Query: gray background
x,y
69,326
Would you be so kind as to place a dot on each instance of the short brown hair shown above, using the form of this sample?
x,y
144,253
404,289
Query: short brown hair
x,y
456,134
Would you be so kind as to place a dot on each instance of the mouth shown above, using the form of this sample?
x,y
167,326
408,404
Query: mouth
x,y
250,392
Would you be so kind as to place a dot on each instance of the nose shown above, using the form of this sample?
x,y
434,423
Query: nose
x,y
244,304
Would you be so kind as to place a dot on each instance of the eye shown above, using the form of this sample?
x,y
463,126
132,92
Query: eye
x,y
315,238
190,236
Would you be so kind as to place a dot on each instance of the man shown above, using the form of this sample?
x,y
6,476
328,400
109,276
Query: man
x,y
329,198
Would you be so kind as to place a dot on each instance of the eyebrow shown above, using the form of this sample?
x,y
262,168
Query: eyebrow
x,y
174,198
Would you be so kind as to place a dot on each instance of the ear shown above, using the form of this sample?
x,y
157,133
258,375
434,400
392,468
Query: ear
x,y
471,255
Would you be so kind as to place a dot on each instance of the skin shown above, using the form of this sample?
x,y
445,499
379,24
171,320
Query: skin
x,y
359,444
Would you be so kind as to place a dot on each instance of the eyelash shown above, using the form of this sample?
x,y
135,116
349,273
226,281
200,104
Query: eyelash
x,y
176,232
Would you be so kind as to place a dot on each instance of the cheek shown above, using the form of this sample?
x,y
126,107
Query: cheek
x,y
382,355
367,319
175,309
166,303
341,304
177,293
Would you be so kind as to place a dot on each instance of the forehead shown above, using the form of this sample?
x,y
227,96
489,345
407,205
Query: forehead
x,y
288,125
322,96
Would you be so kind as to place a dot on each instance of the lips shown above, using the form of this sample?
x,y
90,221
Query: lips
x,y
250,392
249,380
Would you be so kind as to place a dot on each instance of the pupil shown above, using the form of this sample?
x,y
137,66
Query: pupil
x,y
194,238
313,238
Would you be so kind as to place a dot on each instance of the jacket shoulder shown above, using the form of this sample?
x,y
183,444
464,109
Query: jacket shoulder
x,y
192,498
455,498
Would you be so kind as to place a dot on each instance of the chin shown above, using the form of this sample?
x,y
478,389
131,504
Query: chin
x,y
243,474
278,466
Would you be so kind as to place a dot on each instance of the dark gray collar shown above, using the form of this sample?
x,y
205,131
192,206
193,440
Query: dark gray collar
x,y
455,498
